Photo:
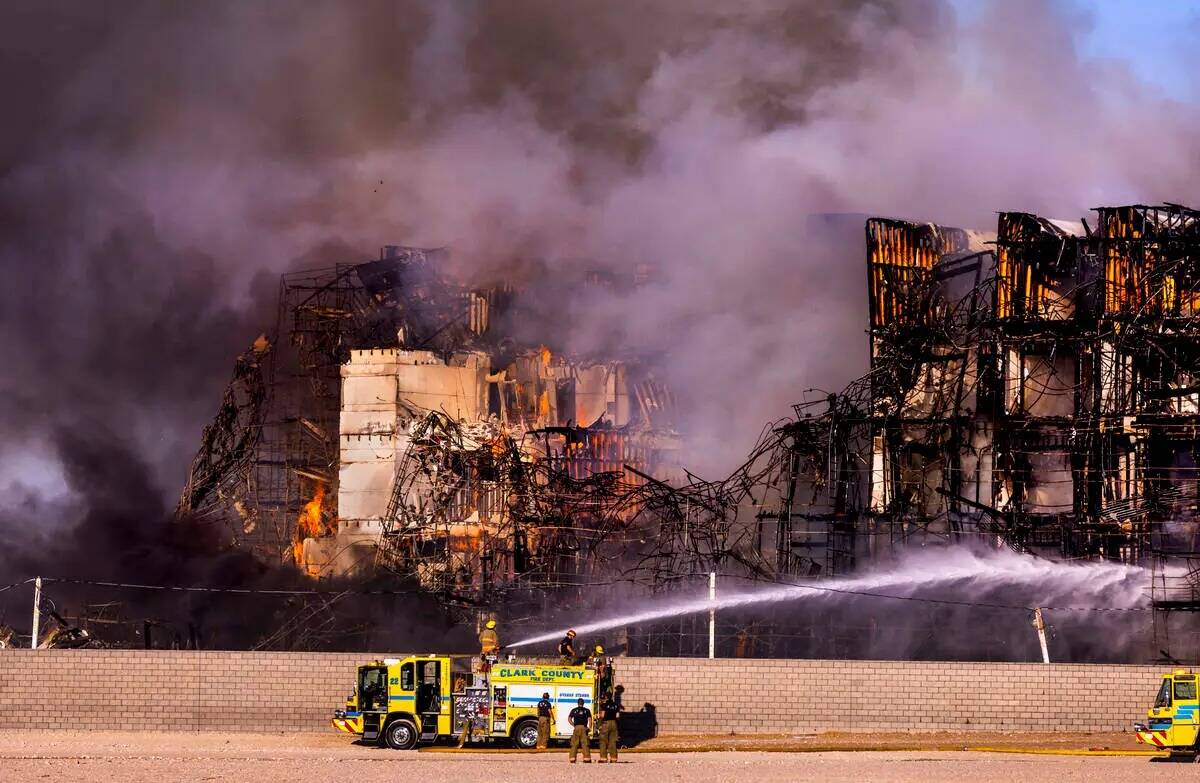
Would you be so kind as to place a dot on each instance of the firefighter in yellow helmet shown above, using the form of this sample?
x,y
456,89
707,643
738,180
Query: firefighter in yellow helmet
x,y
489,640
603,670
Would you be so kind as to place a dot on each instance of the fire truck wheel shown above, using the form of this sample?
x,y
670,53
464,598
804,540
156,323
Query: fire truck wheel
x,y
400,734
525,735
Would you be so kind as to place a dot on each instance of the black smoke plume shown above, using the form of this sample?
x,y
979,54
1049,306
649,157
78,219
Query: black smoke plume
x,y
162,163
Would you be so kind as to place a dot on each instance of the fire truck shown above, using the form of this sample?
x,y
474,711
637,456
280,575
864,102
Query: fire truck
x,y
421,699
1172,723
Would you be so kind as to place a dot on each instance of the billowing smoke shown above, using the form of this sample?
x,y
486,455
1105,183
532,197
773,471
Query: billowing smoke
x,y
165,162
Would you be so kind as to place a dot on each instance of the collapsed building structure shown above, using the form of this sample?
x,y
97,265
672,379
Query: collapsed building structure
x,y
1039,390
1036,388
402,427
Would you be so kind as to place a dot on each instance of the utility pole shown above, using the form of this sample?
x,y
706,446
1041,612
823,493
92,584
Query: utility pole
x,y
1040,625
37,612
712,614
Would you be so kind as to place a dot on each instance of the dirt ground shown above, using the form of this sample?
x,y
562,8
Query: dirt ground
x,y
895,741
131,757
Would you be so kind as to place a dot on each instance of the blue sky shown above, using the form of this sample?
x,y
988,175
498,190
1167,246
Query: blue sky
x,y
1153,36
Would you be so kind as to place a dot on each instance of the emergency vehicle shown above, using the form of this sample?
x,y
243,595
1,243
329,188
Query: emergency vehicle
x,y
403,702
1172,723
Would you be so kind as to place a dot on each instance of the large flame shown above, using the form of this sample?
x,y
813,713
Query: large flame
x,y
308,523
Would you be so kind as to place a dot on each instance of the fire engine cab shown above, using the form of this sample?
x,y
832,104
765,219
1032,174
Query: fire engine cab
x,y
1172,723
420,699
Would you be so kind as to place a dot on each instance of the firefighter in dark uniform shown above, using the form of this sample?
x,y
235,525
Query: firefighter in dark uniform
x,y
581,720
566,648
545,713
610,710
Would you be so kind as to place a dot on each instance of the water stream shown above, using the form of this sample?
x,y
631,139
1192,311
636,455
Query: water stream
x,y
951,574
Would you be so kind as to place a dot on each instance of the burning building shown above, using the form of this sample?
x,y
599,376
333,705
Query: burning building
x,y
1034,388
392,423
1048,401
444,462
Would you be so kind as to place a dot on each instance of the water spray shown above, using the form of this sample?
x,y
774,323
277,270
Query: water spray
x,y
1098,585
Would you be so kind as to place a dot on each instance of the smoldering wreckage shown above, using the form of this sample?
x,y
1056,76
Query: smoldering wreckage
x,y
1036,388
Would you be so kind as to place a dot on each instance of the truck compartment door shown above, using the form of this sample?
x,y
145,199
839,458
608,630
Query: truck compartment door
x,y
429,697
566,699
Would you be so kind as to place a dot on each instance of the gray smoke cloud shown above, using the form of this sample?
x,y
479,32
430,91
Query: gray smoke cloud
x,y
165,162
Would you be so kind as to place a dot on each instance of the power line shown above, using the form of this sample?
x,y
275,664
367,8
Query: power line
x,y
817,588
231,590
15,584
268,591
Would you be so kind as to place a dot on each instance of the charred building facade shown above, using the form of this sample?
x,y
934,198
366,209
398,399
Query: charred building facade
x,y
1051,400
393,423
1036,388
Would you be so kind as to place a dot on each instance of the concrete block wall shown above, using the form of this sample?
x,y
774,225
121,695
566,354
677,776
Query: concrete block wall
x,y
770,696
173,689
245,691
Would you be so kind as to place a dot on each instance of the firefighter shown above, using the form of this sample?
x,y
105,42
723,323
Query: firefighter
x,y
489,640
610,710
566,648
545,713
581,720
603,670
468,732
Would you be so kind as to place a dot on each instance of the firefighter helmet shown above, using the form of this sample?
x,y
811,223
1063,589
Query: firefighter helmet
x,y
571,633
490,624
599,649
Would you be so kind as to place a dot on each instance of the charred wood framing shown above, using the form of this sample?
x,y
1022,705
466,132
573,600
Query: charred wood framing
x,y
1036,388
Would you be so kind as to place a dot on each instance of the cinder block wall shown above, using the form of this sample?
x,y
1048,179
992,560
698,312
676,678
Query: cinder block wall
x,y
174,689
244,691
769,696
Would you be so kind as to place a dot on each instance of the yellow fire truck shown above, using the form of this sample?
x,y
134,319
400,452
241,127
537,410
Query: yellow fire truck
x,y
1172,723
403,702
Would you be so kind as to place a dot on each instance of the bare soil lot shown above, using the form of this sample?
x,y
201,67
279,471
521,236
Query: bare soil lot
x,y
130,757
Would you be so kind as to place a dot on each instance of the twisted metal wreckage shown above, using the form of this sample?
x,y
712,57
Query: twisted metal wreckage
x,y
1039,388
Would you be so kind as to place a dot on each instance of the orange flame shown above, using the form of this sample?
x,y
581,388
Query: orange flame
x,y
308,523
465,537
